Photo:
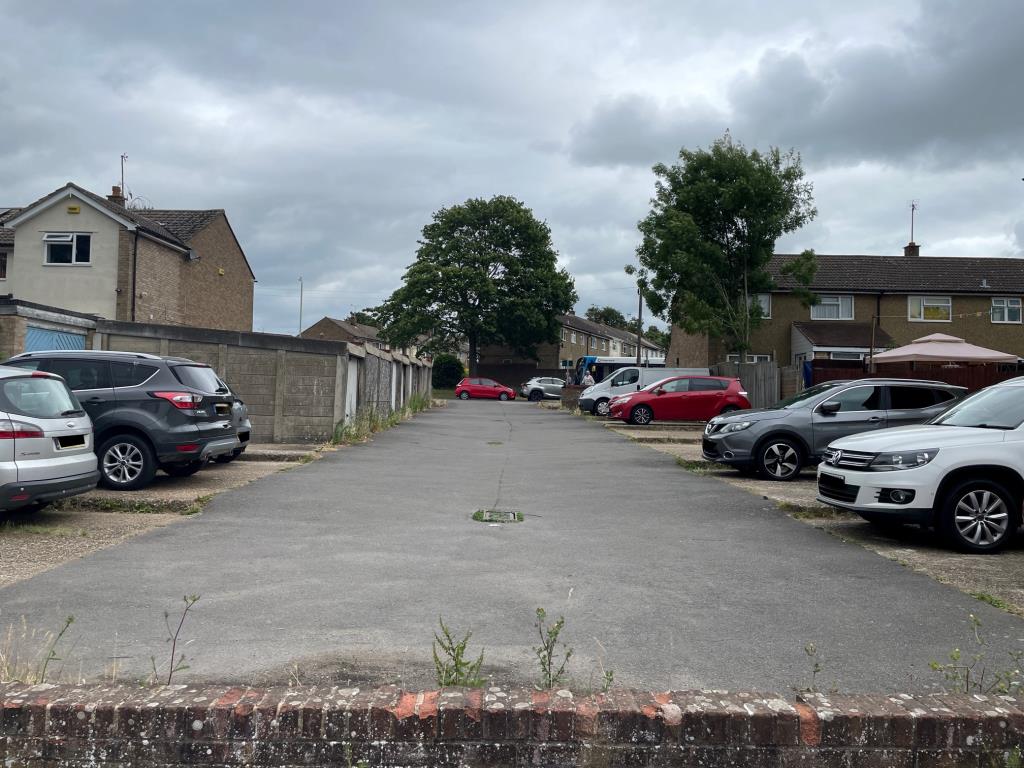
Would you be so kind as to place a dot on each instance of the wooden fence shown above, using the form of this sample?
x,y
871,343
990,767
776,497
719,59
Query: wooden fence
x,y
974,377
760,380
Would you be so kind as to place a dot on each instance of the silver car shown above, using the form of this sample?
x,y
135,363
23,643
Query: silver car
x,y
778,442
542,388
46,446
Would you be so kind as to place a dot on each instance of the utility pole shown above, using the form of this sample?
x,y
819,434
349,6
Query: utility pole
x,y
300,305
639,322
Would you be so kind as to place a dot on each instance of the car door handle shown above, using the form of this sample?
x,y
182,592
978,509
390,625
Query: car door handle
x,y
94,400
874,419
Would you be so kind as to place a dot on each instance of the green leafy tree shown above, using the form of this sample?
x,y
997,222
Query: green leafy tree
x,y
365,317
447,371
485,272
655,335
715,217
609,316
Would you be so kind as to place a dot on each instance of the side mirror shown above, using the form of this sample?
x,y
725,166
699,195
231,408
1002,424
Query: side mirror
x,y
659,391
830,406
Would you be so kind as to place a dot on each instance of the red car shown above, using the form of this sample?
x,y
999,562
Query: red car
x,y
681,398
483,388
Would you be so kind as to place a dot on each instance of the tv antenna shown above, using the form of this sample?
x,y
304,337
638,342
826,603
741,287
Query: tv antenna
x,y
914,205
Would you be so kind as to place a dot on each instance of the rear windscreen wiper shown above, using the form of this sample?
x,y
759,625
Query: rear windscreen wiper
x,y
77,412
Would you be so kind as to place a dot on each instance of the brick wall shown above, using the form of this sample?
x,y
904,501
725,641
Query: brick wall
x,y
218,286
159,285
329,726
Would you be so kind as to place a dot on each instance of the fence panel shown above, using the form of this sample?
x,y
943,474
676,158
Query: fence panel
x,y
760,380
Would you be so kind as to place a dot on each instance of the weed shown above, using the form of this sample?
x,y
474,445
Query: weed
x,y
992,600
551,671
197,506
172,638
495,442
973,675
816,668
609,678
451,665
51,652
25,654
691,465
802,512
36,529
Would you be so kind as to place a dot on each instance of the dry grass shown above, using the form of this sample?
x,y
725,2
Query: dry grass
x,y
30,655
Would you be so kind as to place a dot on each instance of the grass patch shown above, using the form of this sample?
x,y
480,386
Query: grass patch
x,y
802,512
693,465
370,421
992,600
480,514
12,528
130,506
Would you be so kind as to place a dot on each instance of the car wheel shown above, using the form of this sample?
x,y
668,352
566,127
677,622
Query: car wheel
x,y
464,395
728,409
503,396
779,459
536,395
126,463
642,415
601,408
979,516
183,470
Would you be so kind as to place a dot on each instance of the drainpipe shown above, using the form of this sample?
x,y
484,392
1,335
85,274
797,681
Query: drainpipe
x,y
874,323
135,265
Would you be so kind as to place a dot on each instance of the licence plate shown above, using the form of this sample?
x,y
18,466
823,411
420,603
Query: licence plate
x,y
70,441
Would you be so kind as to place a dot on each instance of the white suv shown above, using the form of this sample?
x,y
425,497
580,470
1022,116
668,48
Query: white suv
x,y
962,472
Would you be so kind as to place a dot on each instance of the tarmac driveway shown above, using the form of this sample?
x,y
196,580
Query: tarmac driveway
x,y
338,571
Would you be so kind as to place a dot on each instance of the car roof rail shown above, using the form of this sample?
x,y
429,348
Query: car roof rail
x,y
87,352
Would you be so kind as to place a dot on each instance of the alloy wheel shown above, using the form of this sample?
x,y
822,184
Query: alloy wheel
x,y
981,517
642,415
602,408
781,460
122,463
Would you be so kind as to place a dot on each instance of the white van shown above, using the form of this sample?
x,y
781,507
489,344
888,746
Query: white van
x,y
595,399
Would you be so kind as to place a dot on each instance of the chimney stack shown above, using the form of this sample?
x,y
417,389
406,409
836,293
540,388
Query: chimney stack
x,y
911,249
115,195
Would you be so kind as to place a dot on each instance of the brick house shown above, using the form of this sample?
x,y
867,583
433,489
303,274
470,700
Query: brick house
x,y
90,254
578,337
877,302
332,329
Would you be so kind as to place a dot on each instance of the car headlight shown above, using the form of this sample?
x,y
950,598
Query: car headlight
x,y
621,400
889,462
734,426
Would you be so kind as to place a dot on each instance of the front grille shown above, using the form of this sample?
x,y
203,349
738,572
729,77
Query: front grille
x,y
848,459
836,488
710,447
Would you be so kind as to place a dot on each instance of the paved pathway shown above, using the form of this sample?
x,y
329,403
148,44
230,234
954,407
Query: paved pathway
x,y
339,569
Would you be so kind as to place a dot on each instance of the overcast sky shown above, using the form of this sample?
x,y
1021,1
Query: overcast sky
x,y
330,131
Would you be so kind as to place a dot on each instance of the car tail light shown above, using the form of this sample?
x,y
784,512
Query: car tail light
x,y
743,393
184,400
17,430
21,497
187,448
43,375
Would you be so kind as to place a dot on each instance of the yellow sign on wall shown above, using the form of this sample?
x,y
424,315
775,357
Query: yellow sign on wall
x,y
74,209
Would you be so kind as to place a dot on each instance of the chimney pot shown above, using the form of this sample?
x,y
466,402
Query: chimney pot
x,y
115,195
911,249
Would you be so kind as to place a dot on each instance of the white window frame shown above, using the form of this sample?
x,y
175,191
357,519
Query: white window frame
x,y
5,258
929,301
565,334
732,358
765,300
759,358
834,300
1005,303
574,337
65,238
604,345
593,342
846,356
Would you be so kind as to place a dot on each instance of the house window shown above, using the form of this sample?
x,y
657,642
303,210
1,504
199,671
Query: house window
x,y
847,356
565,335
593,343
67,248
930,309
574,337
3,266
1005,310
604,345
764,300
833,308
749,359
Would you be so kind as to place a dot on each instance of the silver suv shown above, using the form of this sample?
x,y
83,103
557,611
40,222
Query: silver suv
x,y
46,448
542,387
779,441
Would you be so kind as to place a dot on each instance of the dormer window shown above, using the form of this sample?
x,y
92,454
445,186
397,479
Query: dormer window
x,y
67,248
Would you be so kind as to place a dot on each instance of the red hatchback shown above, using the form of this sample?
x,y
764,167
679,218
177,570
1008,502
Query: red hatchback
x,y
682,398
483,388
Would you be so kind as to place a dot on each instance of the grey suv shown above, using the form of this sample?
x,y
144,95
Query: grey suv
x,y
779,441
542,387
148,412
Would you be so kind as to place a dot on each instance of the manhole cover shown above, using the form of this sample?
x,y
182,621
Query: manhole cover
x,y
498,516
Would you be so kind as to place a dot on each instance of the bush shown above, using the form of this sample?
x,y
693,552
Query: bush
x,y
448,371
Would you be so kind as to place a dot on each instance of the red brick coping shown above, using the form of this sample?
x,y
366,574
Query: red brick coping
x,y
179,725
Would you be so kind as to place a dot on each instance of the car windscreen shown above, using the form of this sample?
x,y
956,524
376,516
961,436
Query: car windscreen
x,y
199,377
38,397
801,398
655,384
992,408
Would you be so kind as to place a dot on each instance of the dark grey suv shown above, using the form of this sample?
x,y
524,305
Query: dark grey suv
x,y
778,441
148,412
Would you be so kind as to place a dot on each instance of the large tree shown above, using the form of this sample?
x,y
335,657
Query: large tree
x,y
609,316
711,232
485,272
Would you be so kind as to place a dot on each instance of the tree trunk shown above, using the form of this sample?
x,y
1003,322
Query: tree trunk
x,y
472,356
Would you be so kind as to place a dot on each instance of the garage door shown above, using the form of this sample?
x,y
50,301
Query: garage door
x,y
44,340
